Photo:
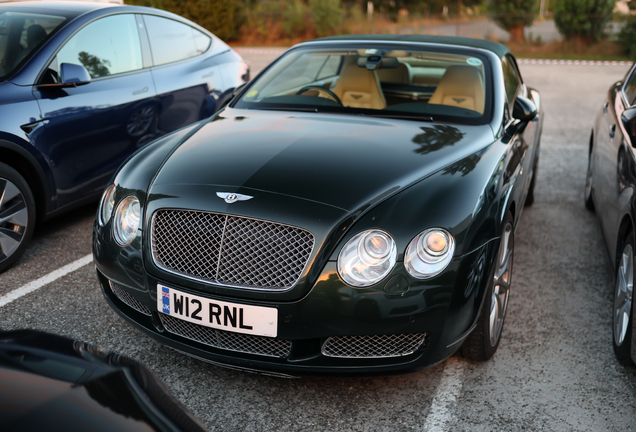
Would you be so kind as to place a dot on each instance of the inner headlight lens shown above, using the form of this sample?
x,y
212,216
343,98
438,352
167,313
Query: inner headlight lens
x,y
107,204
126,220
367,258
429,253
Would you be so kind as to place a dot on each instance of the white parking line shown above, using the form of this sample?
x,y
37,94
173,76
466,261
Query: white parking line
x,y
44,280
440,414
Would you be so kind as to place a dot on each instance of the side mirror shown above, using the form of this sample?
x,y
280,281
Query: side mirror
x,y
629,122
72,75
524,109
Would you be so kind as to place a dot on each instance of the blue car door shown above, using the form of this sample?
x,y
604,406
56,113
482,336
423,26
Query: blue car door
x,y
91,129
188,80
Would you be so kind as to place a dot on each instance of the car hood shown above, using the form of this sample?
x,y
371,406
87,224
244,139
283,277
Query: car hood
x,y
348,162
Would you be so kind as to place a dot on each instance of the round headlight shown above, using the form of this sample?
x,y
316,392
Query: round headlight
x,y
367,258
107,204
126,220
429,253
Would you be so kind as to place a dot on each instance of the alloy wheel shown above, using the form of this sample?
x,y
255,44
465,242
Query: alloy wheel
x,y
13,218
624,295
501,285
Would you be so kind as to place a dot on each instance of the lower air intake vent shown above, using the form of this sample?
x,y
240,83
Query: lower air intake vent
x,y
238,342
128,299
373,346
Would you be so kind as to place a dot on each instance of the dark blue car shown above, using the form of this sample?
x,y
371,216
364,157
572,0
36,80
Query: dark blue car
x,y
84,85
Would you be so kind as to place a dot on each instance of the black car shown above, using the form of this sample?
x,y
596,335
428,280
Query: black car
x,y
609,189
352,211
85,85
53,383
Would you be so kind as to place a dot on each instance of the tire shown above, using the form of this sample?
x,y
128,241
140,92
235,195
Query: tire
x,y
623,306
17,216
589,202
483,342
530,197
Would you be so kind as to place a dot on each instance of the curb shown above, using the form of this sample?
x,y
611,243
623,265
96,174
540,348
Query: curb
x,y
276,51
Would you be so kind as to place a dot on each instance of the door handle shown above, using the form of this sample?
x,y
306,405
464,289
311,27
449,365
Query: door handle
x,y
612,131
605,107
143,90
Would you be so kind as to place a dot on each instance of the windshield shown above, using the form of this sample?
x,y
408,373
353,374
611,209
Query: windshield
x,y
21,34
377,81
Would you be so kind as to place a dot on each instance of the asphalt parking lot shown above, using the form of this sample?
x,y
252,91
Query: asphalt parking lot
x,y
555,369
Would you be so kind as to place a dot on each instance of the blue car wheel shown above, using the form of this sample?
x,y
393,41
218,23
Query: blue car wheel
x,y
17,216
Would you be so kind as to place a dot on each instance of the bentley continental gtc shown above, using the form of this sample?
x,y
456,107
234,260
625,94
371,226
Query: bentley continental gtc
x,y
351,211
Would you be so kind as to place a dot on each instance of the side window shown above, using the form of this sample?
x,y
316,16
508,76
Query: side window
x,y
172,41
512,81
630,88
104,47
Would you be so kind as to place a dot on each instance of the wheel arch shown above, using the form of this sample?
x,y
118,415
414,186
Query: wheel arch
x,y
23,162
625,228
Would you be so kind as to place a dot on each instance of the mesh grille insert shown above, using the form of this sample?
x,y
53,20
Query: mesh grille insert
x,y
376,346
238,342
125,297
230,250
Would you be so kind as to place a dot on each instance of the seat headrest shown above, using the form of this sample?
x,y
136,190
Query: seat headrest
x,y
359,87
35,34
460,86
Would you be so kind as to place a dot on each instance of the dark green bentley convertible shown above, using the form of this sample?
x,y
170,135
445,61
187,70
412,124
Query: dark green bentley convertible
x,y
352,211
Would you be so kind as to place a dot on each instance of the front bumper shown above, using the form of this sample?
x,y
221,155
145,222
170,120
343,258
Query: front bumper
x,y
443,310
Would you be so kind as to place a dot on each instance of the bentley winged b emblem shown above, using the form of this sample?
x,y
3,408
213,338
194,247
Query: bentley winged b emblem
x,y
233,197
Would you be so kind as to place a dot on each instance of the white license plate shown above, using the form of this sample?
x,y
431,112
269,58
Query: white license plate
x,y
234,317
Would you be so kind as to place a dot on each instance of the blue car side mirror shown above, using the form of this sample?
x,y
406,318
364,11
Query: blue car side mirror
x,y
73,75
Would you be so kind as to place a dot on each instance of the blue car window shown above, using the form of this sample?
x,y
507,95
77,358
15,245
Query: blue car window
x,y
172,41
21,34
104,47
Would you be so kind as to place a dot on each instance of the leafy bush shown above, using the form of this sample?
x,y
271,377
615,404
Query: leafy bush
x,y
294,17
514,15
583,19
626,38
326,15
218,16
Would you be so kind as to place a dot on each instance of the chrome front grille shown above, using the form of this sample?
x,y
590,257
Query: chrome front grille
x,y
238,342
230,250
376,346
124,296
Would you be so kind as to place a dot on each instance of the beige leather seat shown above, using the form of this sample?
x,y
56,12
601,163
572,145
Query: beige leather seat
x,y
460,86
398,75
359,87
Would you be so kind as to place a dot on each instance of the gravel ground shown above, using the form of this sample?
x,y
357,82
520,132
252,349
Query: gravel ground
x,y
555,369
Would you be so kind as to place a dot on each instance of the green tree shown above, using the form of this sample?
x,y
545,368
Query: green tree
x,y
513,16
627,36
583,20
218,16
326,15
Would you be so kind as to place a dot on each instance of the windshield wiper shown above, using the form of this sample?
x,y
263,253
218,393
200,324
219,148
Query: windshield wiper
x,y
400,116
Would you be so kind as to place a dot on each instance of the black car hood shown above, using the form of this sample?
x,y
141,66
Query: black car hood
x,y
348,162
